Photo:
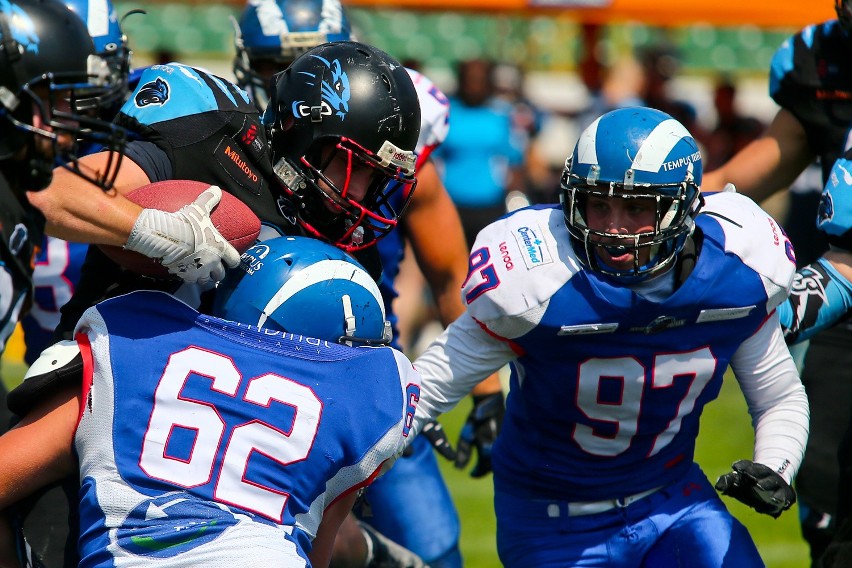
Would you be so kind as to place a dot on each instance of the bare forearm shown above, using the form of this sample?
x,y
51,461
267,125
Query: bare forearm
x,y
78,211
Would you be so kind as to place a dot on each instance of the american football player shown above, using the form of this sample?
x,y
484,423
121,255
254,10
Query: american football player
x,y
227,442
614,316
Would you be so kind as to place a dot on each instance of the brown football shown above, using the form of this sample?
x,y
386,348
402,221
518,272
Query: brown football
x,y
231,217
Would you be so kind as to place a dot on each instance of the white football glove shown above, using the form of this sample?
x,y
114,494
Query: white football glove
x,y
185,242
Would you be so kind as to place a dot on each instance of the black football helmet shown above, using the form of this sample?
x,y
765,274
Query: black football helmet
x,y
49,71
352,102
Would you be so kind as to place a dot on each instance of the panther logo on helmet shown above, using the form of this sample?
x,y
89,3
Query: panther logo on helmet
x,y
153,93
335,94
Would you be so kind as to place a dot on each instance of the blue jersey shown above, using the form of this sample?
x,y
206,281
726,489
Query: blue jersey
x,y
479,150
208,443
608,387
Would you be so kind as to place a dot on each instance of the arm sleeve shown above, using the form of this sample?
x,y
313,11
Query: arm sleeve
x,y
151,158
775,397
820,297
462,356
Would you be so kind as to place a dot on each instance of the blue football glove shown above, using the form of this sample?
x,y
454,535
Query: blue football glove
x,y
437,436
479,432
758,487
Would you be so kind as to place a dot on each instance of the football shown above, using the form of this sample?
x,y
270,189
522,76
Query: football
x,y
231,217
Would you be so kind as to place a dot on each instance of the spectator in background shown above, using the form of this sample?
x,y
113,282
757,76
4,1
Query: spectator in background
x,y
660,64
733,130
481,160
528,119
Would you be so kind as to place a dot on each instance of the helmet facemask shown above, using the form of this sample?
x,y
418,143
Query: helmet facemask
x,y
676,206
64,106
333,209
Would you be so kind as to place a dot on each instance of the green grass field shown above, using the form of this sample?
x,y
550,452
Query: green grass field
x,y
726,436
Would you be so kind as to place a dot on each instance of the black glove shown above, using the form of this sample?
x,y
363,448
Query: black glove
x,y
437,436
758,487
382,552
480,431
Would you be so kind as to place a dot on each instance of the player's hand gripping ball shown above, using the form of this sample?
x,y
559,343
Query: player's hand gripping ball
x,y
232,218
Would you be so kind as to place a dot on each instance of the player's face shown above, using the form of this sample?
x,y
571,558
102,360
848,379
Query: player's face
x,y
352,177
618,216
64,140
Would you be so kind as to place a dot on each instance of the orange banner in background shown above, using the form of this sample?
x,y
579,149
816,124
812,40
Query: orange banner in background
x,y
762,13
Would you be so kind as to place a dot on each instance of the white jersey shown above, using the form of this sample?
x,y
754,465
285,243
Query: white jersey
x,y
434,115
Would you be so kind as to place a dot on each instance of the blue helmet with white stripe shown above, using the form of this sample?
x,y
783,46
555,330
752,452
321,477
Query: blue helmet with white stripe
x,y
102,21
631,153
271,34
304,286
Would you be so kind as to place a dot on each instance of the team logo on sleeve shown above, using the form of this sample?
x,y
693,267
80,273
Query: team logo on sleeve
x,y
335,94
152,93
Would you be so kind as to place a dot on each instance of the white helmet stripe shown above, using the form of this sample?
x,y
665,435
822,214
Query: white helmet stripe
x,y
658,145
97,19
320,272
270,17
587,153
331,17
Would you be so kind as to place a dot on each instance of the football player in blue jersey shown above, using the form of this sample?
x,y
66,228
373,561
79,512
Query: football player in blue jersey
x,y
270,36
612,318
810,78
228,442
327,176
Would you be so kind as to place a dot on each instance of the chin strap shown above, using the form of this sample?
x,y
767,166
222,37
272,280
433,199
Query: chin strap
x,y
688,257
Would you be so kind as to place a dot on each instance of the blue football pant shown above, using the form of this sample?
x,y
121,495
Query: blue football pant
x,y
411,505
684,525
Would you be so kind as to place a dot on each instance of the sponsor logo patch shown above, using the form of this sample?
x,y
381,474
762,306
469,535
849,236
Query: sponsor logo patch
x,y
533,249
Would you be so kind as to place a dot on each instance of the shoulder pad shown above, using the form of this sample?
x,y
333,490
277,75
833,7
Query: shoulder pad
x,y
516,265
434,113
756,238
59,365
170,91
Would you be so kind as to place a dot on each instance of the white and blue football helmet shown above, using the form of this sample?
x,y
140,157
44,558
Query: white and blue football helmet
x,y
304,286
629,153
110,42
276,32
